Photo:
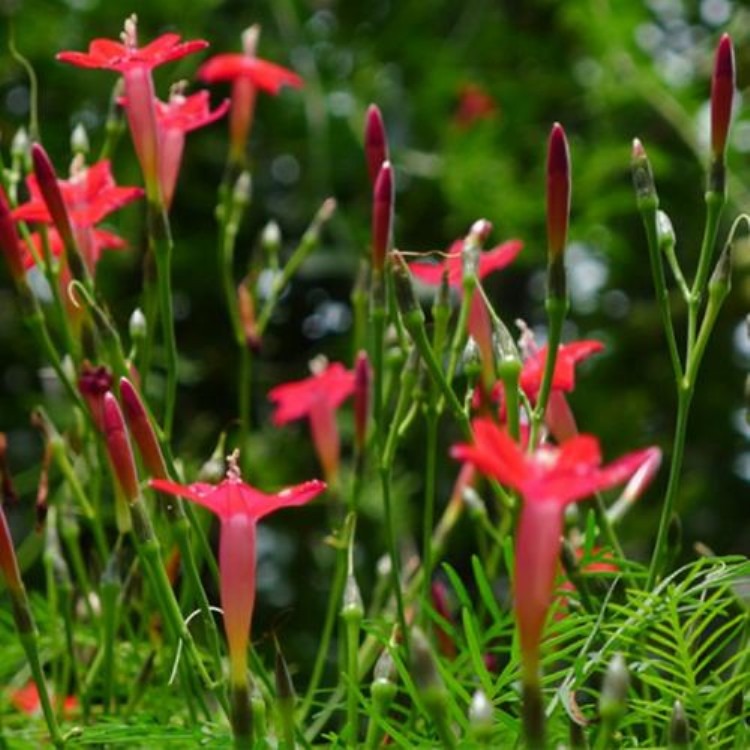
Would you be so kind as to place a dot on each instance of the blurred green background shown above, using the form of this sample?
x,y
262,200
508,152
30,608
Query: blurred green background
x,y
468,91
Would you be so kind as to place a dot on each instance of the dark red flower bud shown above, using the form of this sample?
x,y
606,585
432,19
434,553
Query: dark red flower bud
x,y
50,190
722,94
93,383
558,191
382,215
142,430
376,142
118,448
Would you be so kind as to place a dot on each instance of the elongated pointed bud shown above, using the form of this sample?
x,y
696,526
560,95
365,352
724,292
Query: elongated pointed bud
x,y
679,728
480,329
142,430
50,190
119,449
613,698
10,244
558,191
8,559
558,210
376,142
722,95
270,241
406,299
7,490
720,282
362,396
643,177
382,215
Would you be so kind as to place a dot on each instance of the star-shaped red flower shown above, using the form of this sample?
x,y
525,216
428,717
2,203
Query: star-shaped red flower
x,y
239,507
548,479
89,195
119,56
295,400
265,75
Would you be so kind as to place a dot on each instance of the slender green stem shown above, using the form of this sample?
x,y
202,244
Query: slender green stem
x,y
334,603
678,448
557,309
432,420
160,239
149,553
648,208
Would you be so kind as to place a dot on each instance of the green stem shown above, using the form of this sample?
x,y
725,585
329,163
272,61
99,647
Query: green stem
x,y
160,239
334,603
557,309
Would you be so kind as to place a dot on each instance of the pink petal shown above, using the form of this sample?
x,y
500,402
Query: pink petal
x,y
291,496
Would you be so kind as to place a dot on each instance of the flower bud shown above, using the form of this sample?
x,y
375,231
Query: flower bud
x,y
376,142
558,192
404,290
142,430
679,728
382,215
270,241
50,190
137,325
720,282
119,449
722,94
19,148
612,701
643,177
79,140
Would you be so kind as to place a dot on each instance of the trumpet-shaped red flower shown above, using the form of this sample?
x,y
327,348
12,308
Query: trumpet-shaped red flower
x,y
548,479
317,398
489,261
247,74
174,119
136,63
239,507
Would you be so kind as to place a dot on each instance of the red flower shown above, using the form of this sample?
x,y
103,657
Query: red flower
x,y
563,378
239,507
125,56
474,104
26,700
174,119
262,74
489,261
548,480
316,397
247,73
136,65
88,196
